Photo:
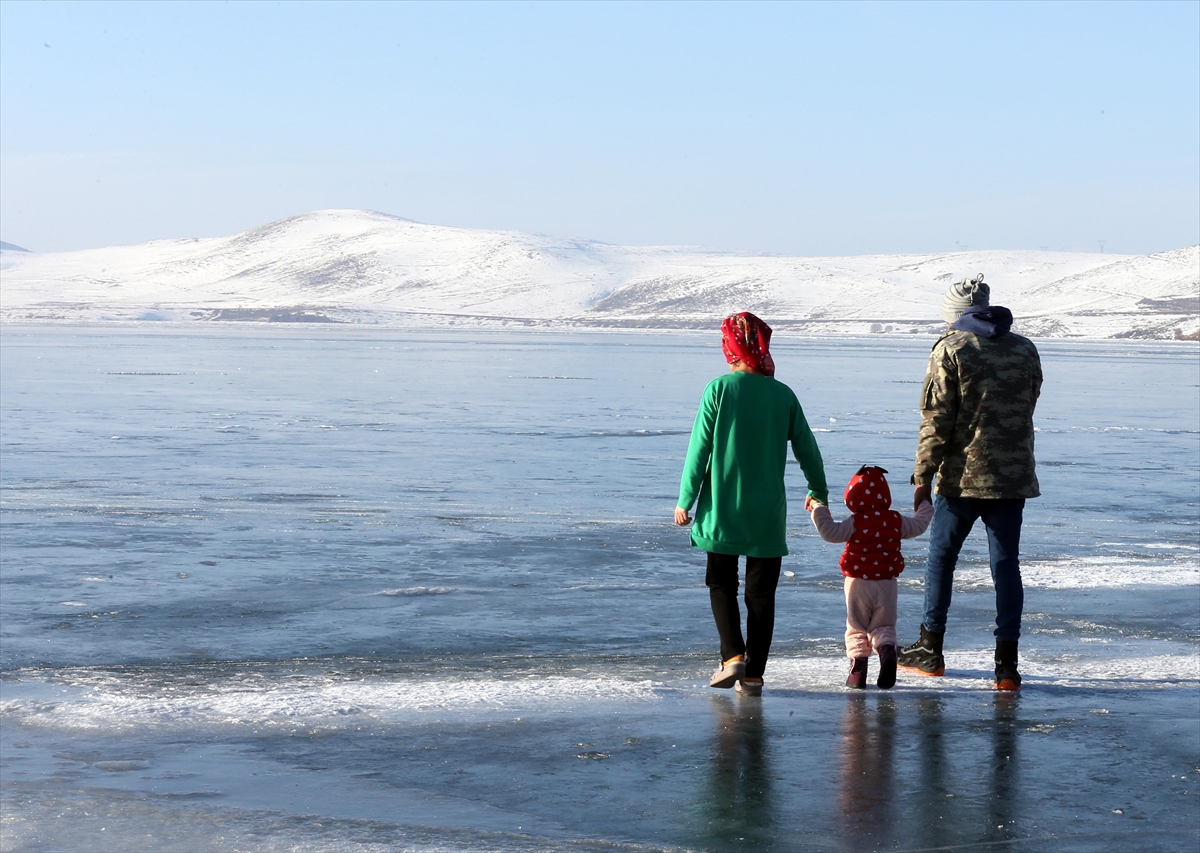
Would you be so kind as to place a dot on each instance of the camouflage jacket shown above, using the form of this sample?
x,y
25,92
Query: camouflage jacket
x,y
977,416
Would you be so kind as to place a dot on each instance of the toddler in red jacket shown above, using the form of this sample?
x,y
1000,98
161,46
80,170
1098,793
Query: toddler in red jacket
x,y
871,563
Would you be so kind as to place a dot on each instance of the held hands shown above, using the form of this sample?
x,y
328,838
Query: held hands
x,y
921,494
810,503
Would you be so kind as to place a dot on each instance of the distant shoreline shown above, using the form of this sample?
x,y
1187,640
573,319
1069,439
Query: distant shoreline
x,y
909,330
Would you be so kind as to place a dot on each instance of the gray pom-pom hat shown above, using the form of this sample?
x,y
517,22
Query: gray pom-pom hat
x,y
963,295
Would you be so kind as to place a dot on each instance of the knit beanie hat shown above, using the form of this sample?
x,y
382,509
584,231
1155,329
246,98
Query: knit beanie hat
x,y
965,294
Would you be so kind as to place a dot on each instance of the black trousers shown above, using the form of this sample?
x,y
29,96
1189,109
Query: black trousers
x,y
762,576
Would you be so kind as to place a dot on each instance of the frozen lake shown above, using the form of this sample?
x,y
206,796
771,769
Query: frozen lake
x,y
324,588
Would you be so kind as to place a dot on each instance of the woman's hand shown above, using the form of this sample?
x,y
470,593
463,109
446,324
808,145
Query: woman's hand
x,y
681,516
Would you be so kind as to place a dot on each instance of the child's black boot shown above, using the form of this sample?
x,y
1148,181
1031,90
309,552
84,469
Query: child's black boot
x,y
887,667
858,674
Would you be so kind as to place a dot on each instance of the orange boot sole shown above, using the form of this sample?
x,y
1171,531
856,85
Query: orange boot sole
x,y
941,671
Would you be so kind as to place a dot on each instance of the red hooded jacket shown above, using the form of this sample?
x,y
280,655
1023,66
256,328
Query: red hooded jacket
x,y
873,552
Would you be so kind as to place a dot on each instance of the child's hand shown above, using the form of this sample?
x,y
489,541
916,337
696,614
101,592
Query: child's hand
x,y
811,503
681,516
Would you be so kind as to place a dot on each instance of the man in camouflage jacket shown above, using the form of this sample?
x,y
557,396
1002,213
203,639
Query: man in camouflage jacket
x,y
976,437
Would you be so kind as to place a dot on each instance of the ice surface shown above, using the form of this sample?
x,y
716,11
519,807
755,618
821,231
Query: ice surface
x,y
338,589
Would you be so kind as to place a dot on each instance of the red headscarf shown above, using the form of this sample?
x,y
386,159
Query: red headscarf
x,y
745,338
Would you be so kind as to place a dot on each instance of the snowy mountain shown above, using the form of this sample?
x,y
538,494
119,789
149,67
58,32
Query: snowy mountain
x,y
364,267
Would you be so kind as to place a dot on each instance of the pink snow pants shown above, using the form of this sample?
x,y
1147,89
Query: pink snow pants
x,y
870,615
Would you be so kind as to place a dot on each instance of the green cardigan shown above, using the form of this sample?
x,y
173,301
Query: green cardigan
x,y
735,464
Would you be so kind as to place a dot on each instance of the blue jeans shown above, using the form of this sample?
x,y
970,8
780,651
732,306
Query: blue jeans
x,y
953,519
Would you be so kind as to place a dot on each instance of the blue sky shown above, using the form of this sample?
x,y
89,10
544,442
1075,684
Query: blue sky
x,y
806,129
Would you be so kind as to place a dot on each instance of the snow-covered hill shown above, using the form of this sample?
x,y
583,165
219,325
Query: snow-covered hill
x,y
360,266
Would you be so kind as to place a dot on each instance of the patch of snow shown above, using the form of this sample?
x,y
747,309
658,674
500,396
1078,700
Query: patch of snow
x,y
318,702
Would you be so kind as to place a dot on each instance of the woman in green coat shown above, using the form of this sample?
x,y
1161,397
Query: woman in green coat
x,y
734,477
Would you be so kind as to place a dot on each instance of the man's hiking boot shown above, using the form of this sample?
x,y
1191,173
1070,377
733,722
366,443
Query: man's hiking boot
x,y
729,673
925,655
1007,677
749,686
858,674
887,667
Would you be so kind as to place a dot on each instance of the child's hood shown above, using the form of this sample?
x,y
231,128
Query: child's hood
x,y
868,490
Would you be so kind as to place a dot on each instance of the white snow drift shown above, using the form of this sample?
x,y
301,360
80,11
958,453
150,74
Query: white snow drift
x,y
364,267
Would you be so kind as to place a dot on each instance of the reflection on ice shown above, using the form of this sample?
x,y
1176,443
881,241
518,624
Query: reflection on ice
x,y
738,809
865,794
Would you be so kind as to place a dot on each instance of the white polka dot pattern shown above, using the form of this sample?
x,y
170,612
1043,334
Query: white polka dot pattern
x,y
874,550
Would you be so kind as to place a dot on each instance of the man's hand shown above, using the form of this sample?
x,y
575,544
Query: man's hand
x,y
921,494
681,516
811,503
